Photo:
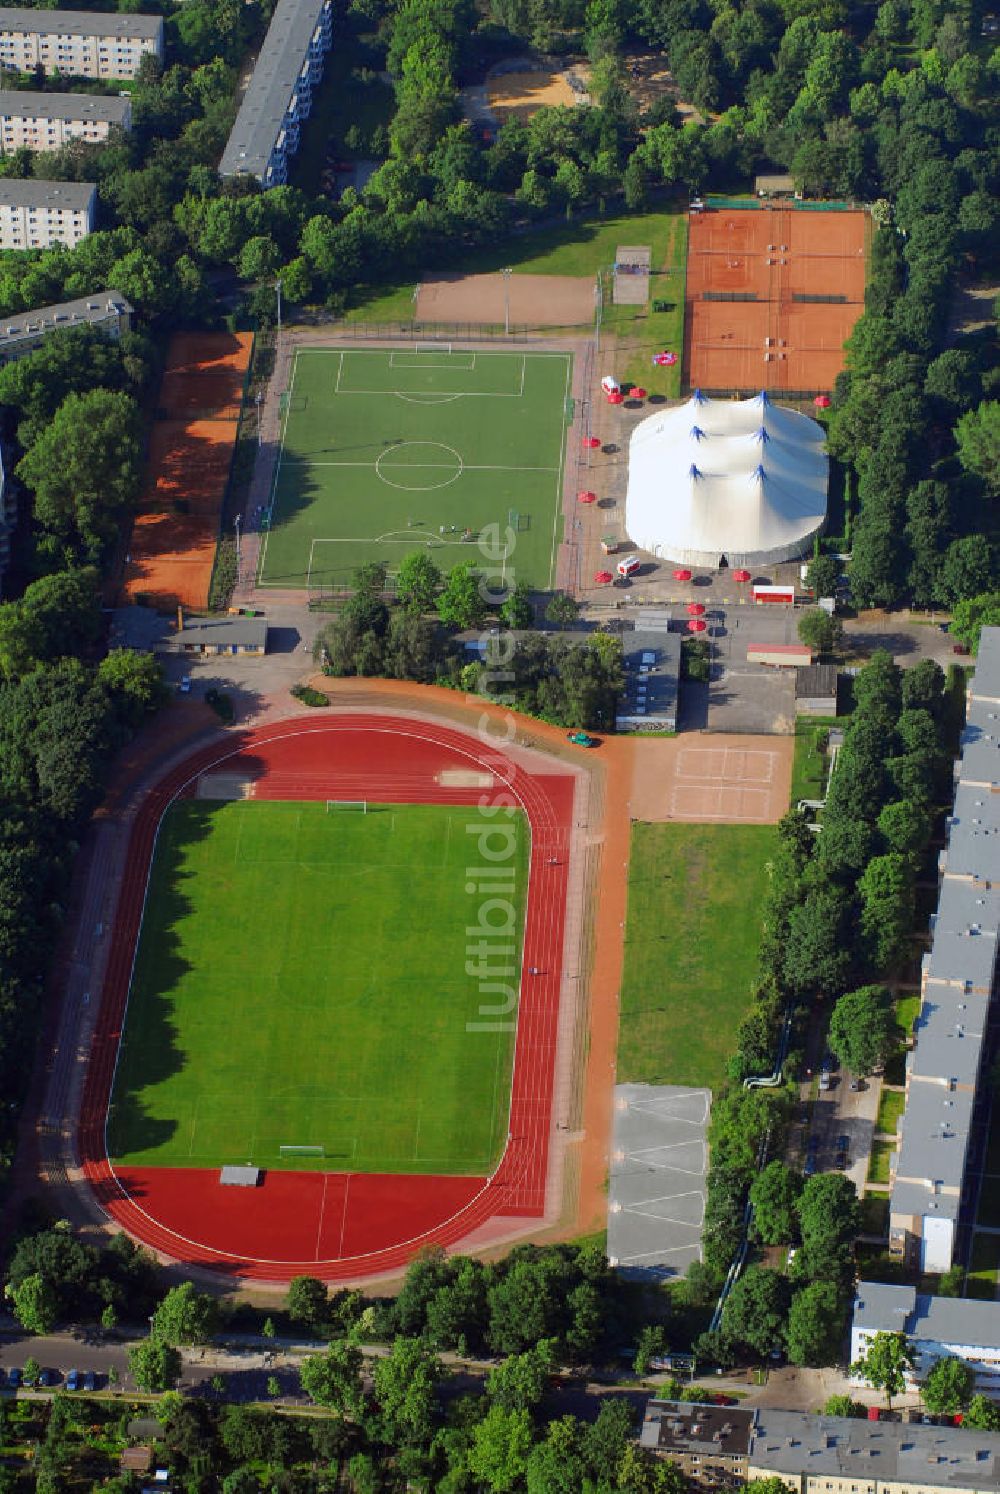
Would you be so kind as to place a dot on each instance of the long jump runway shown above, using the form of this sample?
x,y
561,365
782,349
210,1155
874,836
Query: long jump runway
x,y
342,1225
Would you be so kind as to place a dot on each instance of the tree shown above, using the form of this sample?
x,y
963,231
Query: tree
x,y
967,569
135,682
886,889
155,1364
35,1303
863,1029
562,610
418,582
519,1381
884,1364
816,1324
518,611
829,1220
977,435
307,1301
756,1310
823,576
406,1389
461,603
84,470
982,1415
185,1316
948,1387
905,827
333,1379
818,951
774,1194
501,1445
969,617
819,631
651,1345
842,1405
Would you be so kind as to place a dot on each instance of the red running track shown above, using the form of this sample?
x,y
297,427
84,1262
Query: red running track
x,y
340,1226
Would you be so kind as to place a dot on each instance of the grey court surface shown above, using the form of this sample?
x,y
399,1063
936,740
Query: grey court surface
x,y
656,1200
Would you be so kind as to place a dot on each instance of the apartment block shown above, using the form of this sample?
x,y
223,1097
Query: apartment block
x,y
727,1448
36,214
77,43
279,96
937,1327
21,334
48,121
931,1185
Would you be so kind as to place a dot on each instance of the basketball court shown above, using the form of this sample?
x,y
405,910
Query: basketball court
x,y
772,294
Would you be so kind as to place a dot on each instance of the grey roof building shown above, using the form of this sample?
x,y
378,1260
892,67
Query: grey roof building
x,y
279,97
21,333
32,192
31,105
707,1442
219,635
79,22
930,1187
839,1454
652,661
963,1328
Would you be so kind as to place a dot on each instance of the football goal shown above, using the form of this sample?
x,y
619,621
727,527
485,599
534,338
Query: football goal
x,y
301,1151
357,805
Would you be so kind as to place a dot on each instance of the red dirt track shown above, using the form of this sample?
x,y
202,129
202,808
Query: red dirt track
x,y
774,254
341,1226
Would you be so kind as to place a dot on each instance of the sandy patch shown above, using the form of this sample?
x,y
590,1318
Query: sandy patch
x,y
534,300
707,779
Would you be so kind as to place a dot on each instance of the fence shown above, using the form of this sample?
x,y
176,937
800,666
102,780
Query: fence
x,y
443,332
756,204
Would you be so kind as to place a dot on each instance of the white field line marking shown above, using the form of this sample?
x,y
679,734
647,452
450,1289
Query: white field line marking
x,y
277,469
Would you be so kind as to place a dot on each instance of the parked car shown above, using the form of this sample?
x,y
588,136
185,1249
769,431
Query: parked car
x,y
73,1380
825,1080
810,1166
582,739
90,1381
47,1377
13,1377
843,1150
185,685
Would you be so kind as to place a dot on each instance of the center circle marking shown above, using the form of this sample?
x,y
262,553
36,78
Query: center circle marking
x,y
442,464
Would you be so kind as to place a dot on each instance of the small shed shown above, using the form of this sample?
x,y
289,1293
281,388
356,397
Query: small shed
x,y
776,184
220,635
816,690
136,1459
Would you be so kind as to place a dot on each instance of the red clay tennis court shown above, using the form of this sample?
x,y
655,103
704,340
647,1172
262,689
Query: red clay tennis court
x,y
172,550
342,1225
771,296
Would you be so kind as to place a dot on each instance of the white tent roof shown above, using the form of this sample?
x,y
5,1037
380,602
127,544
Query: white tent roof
x,y
741,478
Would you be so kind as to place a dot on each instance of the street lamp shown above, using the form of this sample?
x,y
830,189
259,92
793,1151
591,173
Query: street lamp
x,y
278,289
507,272
236,526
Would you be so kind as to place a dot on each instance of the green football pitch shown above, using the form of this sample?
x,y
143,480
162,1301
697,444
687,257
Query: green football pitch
x,y
300,983
384,452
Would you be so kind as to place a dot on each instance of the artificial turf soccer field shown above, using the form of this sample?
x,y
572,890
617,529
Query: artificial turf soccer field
x,y
384,452
300,981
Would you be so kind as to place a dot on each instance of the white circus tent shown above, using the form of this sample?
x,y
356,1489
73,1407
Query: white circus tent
x,y
739,480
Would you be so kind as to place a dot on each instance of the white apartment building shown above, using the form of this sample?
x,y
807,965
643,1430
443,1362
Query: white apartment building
x,y
48,121
937,1327
22,333
36,214
77,43
279,97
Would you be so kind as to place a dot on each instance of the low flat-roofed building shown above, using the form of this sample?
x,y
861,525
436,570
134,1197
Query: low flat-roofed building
x,y
938,1327
48,121
278,99
708,1443
774,184
816,690
77,43
652,664
219,635
36,214
839,1455
23,332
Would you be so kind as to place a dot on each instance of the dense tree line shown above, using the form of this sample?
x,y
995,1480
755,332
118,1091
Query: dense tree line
x,y
410,634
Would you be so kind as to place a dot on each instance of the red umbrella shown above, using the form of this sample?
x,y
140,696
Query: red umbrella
x,y
586,497
638,394
822,401
616,398
603,578
591,443
741,575
695,609
682,575
696,625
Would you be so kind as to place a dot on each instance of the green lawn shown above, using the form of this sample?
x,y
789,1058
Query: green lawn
x,y
291,990
890,1108
809,762
386,452
875,1215
585,247
981,1279
694,915
879,1164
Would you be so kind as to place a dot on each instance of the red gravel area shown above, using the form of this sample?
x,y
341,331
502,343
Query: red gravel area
x,y
360,1225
